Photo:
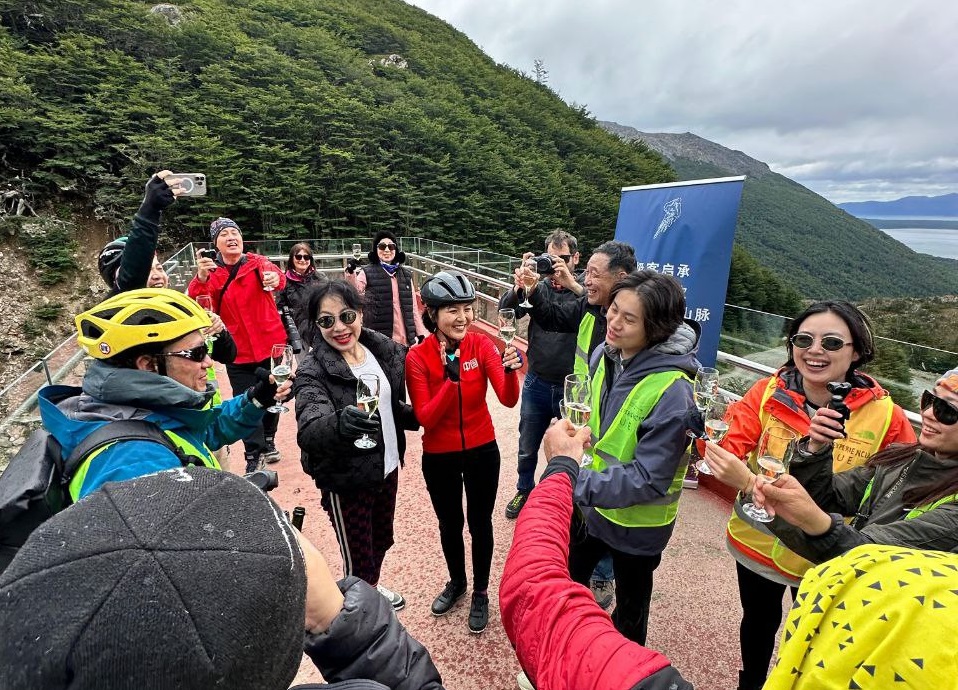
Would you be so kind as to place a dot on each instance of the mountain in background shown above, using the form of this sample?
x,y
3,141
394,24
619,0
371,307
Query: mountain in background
x,y
818,248
906,207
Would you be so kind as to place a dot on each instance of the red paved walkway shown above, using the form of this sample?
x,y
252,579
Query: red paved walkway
x,y
695,609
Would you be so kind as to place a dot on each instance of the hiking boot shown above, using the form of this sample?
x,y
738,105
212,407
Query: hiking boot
x,y
394,598
254,462
451,593
270,454
478,612
515,505
603,591
522,680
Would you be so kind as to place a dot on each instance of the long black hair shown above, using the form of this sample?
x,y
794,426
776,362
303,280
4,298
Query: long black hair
x,y
342,289
944,483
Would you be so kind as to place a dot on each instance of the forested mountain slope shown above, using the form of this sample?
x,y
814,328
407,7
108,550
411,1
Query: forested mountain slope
x,y
819,249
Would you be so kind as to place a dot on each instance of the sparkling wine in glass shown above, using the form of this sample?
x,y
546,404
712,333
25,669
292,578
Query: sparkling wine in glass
x,y
367,400
775,449
715,428
281,362
529,279
206,304
577,405
507,325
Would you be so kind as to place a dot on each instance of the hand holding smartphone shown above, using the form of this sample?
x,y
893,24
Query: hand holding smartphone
x,y
187,184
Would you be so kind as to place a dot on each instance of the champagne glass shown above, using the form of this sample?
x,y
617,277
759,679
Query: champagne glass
x,y
367,400
775,449
206,304
704,392
715,428
507,325
268,288
281,361
357,251
529,278
576,405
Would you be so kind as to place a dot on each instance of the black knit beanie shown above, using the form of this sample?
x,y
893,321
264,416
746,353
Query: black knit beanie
x,y
386,235
190,578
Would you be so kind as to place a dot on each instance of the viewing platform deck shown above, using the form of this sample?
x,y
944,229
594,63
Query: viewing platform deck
x,y
695,609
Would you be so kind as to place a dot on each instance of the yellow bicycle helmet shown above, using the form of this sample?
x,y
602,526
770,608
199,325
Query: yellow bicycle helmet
x,y
138,317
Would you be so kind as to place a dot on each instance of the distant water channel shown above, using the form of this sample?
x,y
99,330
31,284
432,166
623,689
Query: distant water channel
x,y
937,242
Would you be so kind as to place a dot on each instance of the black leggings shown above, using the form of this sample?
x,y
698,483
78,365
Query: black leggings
x,y
242,376
761,617
446,474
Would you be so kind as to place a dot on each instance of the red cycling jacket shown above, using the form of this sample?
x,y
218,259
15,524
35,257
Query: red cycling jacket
x,y
563,640
454,416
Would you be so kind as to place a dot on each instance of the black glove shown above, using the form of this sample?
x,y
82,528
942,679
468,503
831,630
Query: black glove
x,y
452,368
351,266
353,422
695,422
158,196
515,368
264,392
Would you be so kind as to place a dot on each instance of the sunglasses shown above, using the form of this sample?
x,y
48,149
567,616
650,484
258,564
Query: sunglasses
x,y
303,257
385,246
328,320
196,354
566,257
944,411
830,343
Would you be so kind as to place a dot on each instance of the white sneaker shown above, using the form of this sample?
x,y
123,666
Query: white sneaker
x,y
394,598
523,680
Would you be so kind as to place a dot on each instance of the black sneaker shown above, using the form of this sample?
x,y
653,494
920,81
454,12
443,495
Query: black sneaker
x,y
254,463
478,612
451,593
515,505
270,454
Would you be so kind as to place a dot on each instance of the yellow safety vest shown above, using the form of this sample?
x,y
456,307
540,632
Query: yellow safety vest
x,y
204,454
582,342
618,443
866,428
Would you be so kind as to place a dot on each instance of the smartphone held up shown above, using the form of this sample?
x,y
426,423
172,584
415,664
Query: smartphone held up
x,y
189,184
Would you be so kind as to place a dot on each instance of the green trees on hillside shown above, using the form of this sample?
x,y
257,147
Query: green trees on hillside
x,y
301,131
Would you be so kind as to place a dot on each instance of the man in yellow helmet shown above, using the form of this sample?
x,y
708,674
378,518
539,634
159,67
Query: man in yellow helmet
x,y
150,361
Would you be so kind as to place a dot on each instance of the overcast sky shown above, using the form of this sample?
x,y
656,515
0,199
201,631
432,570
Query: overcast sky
x,y
856,99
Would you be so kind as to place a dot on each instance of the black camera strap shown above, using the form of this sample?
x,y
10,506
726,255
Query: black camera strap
x,y
234,269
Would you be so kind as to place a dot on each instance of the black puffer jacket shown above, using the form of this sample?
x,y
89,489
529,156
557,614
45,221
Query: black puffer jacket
x,y
367,641
295,295
324,385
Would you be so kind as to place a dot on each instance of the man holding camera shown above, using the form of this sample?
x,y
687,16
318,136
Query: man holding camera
x,y
550,354
241,286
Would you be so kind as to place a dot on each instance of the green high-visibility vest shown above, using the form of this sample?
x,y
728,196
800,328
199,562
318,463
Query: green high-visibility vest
x,y
618,443
204,455
582,342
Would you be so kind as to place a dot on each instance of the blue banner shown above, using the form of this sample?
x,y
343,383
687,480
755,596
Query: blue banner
x,y
686,229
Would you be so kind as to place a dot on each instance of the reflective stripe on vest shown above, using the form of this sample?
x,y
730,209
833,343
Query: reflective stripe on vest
x,y
205,456
217,399
618,443
582,342
914,512
866,428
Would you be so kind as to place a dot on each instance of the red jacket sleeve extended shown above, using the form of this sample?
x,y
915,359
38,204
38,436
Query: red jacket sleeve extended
x,y
563,640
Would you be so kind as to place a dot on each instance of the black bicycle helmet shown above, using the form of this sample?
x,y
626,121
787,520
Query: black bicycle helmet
x,y
109,261
447,287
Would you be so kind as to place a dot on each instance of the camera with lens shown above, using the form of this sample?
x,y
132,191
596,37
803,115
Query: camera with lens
x,y
208,253
839,391
544,265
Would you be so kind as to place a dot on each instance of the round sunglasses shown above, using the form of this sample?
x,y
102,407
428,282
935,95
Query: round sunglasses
x,y
194,354
830,343
943,411
303,257
328,320
385,246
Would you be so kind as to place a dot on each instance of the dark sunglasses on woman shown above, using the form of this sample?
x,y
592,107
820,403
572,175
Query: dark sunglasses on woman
x,y
830,343
943,411
303,257
385,246
328,320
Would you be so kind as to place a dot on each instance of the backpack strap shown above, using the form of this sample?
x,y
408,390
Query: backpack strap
x,y
120,430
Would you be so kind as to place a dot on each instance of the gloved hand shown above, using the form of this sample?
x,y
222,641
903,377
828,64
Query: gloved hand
x,y
695,421
158,196
452,367
264,392
351,266
353,422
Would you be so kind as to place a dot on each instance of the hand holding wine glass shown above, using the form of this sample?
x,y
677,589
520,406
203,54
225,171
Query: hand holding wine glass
x,y
507,325
281,361
705,389
775,449
576,404
530,279
715,427
206,304
367,400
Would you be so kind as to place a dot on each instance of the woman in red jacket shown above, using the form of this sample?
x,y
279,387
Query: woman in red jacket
x,y
447,375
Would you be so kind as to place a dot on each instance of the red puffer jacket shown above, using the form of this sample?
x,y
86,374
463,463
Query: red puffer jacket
x,y
563,640
454,416
248,311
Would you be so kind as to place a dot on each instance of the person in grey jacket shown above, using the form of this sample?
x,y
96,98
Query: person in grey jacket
x,y
148,596
906,495
641,393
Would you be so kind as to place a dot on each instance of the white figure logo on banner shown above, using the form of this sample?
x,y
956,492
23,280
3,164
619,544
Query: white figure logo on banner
x,y
672,209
